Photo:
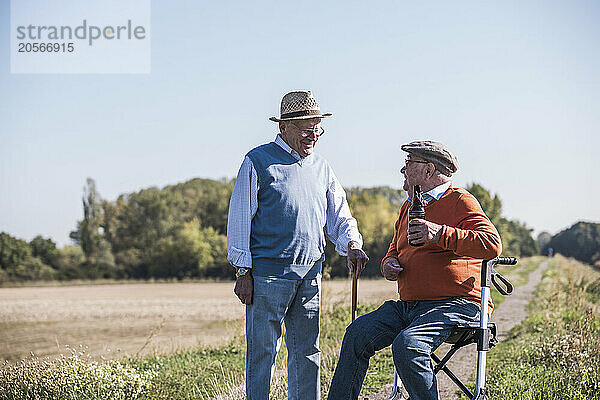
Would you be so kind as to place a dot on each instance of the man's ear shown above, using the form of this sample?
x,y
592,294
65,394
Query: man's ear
x,y
429,171
281,126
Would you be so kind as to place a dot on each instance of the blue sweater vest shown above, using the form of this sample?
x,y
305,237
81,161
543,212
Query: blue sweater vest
x,y
287,238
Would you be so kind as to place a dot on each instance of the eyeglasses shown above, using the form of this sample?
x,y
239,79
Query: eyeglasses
x,y
316,130
415,161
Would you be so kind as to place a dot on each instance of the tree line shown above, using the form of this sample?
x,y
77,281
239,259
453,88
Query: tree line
x,y
580,241
179,232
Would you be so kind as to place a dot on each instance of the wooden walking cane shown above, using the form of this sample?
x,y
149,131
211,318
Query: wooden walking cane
x,y
354,285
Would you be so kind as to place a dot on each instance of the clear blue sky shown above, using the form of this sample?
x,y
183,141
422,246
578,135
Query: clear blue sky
x,y
512,87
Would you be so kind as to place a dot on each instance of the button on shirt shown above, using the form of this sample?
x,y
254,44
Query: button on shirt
x,y
340,226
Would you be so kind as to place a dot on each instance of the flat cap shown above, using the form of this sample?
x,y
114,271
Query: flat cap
x,y
444,160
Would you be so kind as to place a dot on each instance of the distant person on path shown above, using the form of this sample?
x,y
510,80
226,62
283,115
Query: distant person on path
x,y
438,282
550,252
284,196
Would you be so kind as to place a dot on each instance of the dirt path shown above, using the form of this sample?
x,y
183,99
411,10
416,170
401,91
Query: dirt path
x,y
464,362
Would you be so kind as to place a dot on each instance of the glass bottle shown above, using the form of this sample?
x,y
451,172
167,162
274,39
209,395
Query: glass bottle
x,y
417,209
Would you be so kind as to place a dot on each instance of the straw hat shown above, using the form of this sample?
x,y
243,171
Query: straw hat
x,y
299,105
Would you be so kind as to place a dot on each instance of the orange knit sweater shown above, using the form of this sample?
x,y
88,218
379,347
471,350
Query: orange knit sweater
x,y
452,266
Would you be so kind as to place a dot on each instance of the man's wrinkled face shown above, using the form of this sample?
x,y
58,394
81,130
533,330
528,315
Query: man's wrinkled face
x,y
414,172
301,135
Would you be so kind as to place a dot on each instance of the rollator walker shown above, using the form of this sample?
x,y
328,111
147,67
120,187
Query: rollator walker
x,y
483,333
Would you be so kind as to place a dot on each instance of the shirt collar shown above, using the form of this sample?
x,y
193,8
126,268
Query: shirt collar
x,y
438,191
279,141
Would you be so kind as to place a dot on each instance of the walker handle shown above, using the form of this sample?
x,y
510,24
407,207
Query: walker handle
x,y
507,260
507,290
490,276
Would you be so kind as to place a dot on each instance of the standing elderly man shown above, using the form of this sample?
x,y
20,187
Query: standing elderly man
x,y
283,198
438,282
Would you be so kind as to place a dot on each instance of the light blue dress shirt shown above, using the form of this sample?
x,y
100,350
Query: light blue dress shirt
x,y
340,226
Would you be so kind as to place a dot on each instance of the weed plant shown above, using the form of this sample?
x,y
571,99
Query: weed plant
x,y
73,377
555,353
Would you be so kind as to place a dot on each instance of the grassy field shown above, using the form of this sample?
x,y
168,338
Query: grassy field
x,y
172,340
166,341
113,320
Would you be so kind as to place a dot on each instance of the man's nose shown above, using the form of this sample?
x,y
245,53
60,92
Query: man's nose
x,y
402,170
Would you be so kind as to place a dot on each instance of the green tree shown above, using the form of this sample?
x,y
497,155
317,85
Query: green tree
x,y
492,206
110,218
516,237
376,216
88,234
543,239
99,260
68,263
179,230
215,265
17,262
205,199
188,252
144,219
32,268
13,251
45,250
580,241
146,227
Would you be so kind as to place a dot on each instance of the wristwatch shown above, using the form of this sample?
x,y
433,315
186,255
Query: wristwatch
x,y
241,272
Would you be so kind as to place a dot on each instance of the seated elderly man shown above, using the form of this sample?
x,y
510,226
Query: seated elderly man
x,y
438,282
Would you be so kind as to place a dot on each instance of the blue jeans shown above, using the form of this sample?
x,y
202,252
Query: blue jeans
x,y
414,329
297,304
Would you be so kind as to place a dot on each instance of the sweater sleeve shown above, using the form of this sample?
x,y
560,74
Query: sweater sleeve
x,y
392,250
474,236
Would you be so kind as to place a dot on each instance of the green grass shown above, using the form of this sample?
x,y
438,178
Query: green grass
x,y
555,353
203,374
196,374
333,327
